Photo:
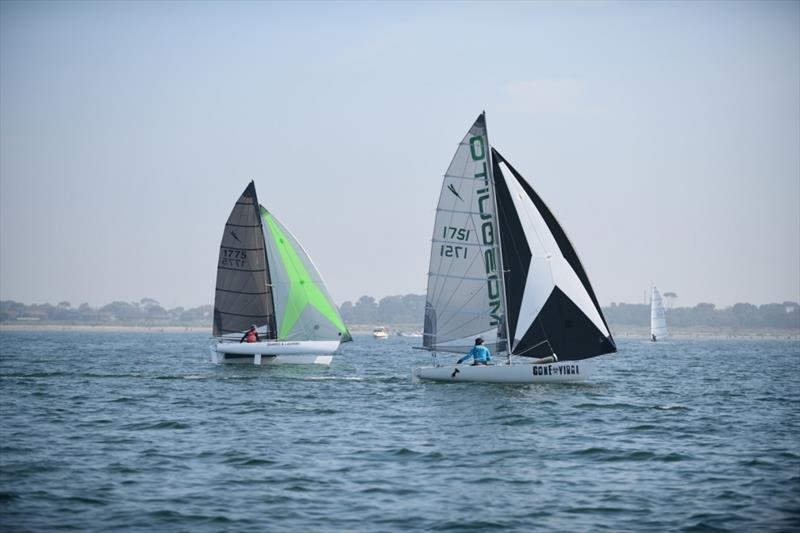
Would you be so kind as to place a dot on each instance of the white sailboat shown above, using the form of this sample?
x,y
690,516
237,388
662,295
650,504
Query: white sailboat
x,y
502,269
266,279
658,317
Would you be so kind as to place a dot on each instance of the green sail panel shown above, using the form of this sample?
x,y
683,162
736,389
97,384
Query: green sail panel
x,y
303,308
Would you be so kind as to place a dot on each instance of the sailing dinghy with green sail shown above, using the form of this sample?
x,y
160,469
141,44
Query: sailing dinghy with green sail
x,y
502,268
266,279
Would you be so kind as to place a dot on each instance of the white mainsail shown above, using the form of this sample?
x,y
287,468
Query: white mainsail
x,y
464,296
658,318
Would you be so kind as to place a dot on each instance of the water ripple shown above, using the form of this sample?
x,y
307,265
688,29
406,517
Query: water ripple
x,y
164,440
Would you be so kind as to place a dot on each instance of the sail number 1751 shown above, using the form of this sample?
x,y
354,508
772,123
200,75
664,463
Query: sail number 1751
x,y
451,250
459,234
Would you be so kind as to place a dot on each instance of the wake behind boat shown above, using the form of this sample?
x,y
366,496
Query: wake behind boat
x,y
267,280
502,269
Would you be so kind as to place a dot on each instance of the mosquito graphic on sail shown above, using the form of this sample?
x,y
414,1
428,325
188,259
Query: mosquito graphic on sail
x,y
502,268
266,279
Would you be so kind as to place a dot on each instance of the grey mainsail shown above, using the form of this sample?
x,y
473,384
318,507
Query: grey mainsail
x,y
243,293
464,293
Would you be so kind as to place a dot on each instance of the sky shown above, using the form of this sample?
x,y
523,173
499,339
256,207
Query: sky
x,y
664,136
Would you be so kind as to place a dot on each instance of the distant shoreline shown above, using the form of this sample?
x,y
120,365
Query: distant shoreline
x,y
104,328
361,329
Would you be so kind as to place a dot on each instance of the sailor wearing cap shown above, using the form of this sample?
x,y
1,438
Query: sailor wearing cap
x,y
479,353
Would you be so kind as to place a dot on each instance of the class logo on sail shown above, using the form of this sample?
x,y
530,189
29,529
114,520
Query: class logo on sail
x,y
453,190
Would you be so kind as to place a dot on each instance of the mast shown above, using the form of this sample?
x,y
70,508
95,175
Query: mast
x,y
499,243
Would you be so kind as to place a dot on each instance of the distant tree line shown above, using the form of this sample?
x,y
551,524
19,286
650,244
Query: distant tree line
x,y
146,311
740,316
406,309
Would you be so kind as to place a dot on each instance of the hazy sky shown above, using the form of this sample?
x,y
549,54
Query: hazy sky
x,y
665,136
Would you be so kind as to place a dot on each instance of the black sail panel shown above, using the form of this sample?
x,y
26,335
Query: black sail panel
x,y
551,304
516,252
243,292
562,328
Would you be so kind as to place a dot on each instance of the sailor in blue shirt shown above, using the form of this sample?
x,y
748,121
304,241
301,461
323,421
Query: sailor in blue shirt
x,y
479,353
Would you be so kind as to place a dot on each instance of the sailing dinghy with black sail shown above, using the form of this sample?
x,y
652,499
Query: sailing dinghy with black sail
x,y
266,279
502,269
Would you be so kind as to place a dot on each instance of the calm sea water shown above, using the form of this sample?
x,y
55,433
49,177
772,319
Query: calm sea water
x,y
139,431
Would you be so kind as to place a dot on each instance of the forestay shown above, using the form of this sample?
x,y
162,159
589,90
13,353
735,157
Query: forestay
x,y
464,295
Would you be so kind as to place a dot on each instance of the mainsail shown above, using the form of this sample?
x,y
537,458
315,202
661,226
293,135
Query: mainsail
x,y
551,307
658,319
243,296
303,308
501,266
464,296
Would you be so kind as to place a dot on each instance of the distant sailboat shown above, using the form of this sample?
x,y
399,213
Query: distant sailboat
x,y
502,268
658,317
266,279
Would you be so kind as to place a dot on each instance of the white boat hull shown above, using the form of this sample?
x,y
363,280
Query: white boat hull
x,y
561,372
275,352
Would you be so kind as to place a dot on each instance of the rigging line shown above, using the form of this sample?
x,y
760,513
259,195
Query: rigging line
x,y
241,269
457,312
462,243
458,286
545,341
436,275
461,177
241,249
460,211
242,225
